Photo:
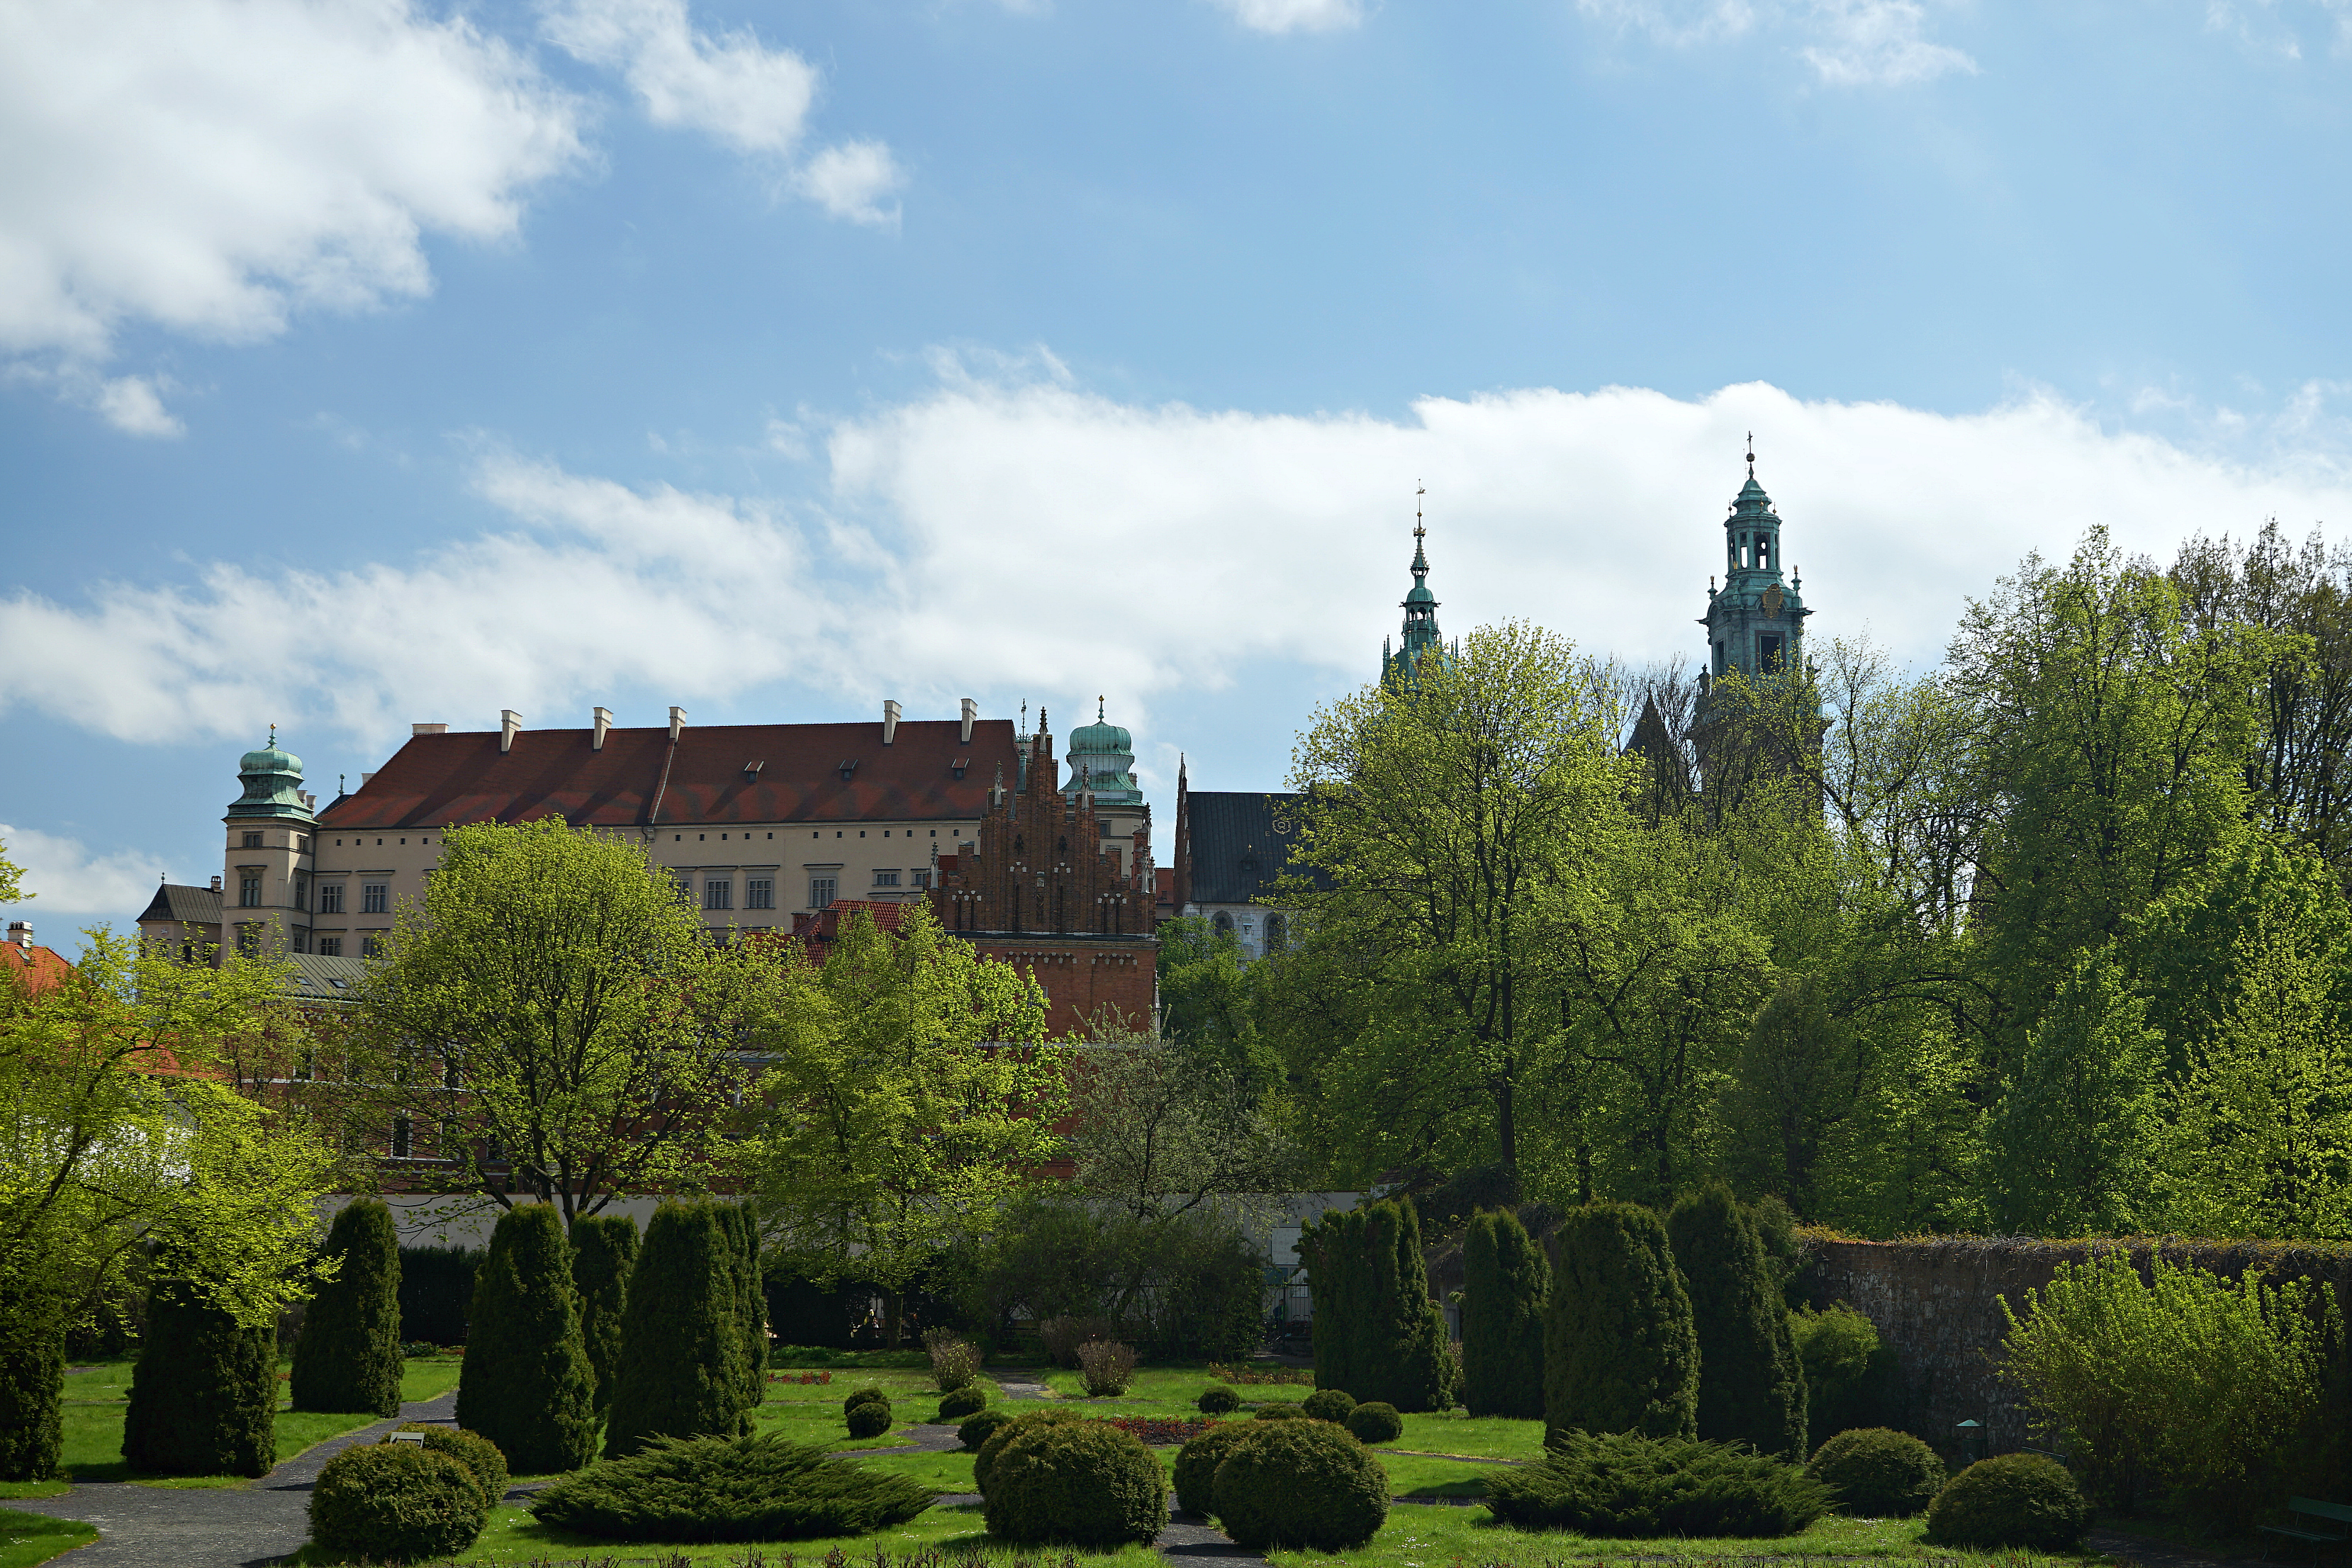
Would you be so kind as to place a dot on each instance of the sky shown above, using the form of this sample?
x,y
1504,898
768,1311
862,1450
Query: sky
x,y
365,363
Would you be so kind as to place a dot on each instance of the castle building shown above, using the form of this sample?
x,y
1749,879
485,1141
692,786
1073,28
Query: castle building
x,y
1755,622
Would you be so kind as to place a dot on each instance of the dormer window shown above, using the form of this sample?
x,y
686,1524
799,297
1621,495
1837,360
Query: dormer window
x,y
958,766
848,765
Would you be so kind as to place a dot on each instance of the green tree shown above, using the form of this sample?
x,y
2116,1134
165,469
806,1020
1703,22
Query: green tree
x,y
1799,1078
750,1300
527,1384
1163,1130
682,1364
1208,999
204,1391
558,1021
1619,1351
1506,1296
349,1356
1387,1338
603,1253
1751,1386
913,1097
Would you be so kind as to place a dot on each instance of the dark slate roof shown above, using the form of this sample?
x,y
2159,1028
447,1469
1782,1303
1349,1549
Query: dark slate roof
x,y
1240,843
436,780
183,906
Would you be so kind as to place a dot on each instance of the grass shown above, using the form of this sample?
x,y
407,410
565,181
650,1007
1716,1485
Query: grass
x,y
811,1412
1161,1390
1480,1437
816,1358
946,1473
29,1538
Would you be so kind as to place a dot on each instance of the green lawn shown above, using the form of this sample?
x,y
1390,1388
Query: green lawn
x,y
811,1412
29,1538
946,1473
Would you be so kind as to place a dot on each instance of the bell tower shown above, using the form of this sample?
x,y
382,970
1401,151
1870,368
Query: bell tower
x,y
1755,622
1421,635
267,889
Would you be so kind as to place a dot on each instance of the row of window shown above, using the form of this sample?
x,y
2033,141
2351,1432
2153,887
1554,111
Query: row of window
x,y
248,943
375,897
759,892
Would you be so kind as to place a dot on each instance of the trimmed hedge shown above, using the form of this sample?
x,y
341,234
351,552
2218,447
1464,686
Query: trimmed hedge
x,y
870,1419
204,1394
1878,1473
31,1388
1305,1483
604,1251
1087,1482
858,1396
396,1502
979,1426
1282,1410
1751,1386
2011,1500
682,1368
1624,1485
1620,1353
1506,1291
347,1358
1328,1404
1218,1400
1197,1462
983,1463
1377,1329
1374,1421
727,1489
476,1453
957,1404
526,1383
735,1222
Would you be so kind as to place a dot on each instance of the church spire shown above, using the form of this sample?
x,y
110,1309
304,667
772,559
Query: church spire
x,y
1420,606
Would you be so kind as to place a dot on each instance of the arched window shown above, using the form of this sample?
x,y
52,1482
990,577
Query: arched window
x,y
1224,923
1277,933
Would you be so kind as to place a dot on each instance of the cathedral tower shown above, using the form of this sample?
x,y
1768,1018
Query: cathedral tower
x,y
1755,622
1421,638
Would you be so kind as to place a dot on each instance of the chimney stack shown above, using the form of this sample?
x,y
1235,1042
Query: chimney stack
x,y
428,729
20,932
677,722
971,712
889,721
216,886
508,722
604,722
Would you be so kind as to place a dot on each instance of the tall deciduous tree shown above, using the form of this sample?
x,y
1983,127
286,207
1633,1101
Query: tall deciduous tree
x,y
1163,1130
349,1356
1506,1296
556,1024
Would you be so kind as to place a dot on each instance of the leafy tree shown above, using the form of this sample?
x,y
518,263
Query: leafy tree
x,y
204,1391
1378,1333
1208,999
1163,1130
11,878
1798,1079
603,1253
1619,1351
1751,1386
349,1356
559,1021
913,1095
1506,1293
683,1372
1191,1284
527,1384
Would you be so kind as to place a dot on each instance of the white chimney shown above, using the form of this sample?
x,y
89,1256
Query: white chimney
x,y
20,932
971,712
508,722
677,722
363,779
604,722
889,722
216,886
428,729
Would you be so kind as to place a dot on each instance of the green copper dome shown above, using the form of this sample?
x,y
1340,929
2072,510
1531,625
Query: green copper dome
x,y
273,783
1102,759
1100,738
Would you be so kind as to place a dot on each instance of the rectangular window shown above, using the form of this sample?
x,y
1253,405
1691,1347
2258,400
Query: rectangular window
x,y
372,945
331,897
248,891
249,939
301,891
821,892
717,893
253,841
922,879
1767,653
375,897
331,947
885,878
759,892
400,1137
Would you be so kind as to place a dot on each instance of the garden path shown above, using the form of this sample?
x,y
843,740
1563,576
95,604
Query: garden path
x,y
211,1527
2149,1552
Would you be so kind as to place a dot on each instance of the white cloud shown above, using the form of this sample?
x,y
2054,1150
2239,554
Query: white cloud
x,y
850,181
1005,533
752,97
1294,15
66,881
1879,43
1675,22
213,165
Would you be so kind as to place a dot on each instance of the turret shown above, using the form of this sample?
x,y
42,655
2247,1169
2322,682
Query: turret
x,y
1420,635
267,886
1755,622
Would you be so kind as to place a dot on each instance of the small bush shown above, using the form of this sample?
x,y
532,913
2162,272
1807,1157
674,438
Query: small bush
x,y
1107,1366
415,1349
1376,1422
1063,1336
2011,1500
984,1462
1304,1484
1878,1474
978,1427
870,1419
476,1453
1280,1412
959,1402
863,1396
1197,1462
955,1362
1081,1481
727,1489
396,1502
1626,1486
1330,1405
1218,1400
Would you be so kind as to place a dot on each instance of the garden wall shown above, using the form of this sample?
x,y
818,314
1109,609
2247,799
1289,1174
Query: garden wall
x,y
1937,1302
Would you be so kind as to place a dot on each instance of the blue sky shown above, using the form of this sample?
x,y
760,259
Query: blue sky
x,y
368,363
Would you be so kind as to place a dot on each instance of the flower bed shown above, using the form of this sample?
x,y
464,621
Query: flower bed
x,y
1246,1375
1158,1431
802,1377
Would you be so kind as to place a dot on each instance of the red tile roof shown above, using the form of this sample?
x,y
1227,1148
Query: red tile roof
x,y
38,968
434,780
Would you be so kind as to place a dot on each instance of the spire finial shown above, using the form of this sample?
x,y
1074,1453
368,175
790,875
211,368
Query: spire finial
x,y
1751,454
1024,715
1419,491
273,737
1098,708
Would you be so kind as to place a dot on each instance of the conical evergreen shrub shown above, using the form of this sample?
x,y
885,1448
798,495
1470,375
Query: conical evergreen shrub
x,y
32,1387
527,1384
750,1300
682,1364
203,1396
603,1250
1751,1386
1505,1289
1620,1354
347,1358
1386,1339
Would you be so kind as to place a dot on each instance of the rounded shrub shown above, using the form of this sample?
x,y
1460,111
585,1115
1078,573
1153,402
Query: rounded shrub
x,y
1376,1422
1330,1405
958,1403
396,1502
1087,1482
870,1419
1218,1400
2011,1500
985,1461
980,1425
1877,1473
863,1396
1197,1462
1280,1411
1304,1484
476,1453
